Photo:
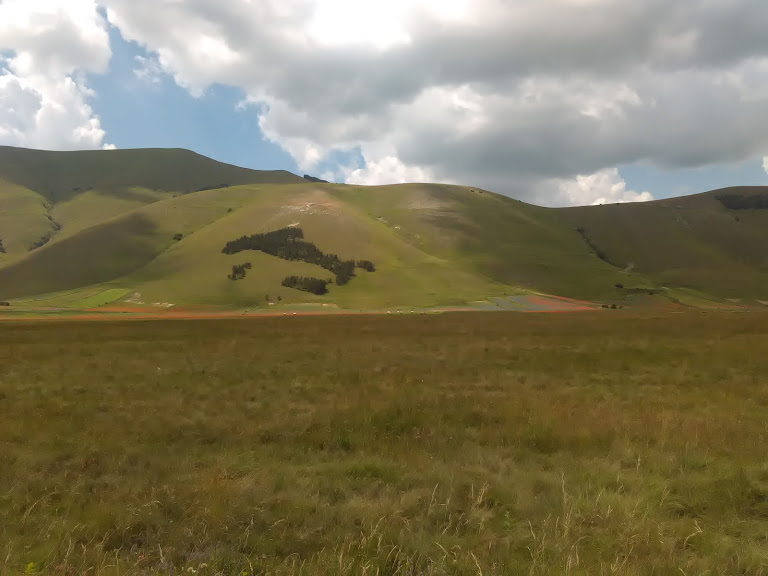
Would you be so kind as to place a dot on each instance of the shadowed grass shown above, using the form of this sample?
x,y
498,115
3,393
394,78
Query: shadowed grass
x,y
452,444
101,253
696,241
60,176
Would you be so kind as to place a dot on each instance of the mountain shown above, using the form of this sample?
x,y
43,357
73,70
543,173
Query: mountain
x,y
85,228
716,242
59,176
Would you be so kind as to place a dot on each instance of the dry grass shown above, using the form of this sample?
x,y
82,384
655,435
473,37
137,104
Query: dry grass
x,y
458,444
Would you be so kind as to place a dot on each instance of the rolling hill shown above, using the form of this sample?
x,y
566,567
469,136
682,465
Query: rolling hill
x,y
147,228
694,241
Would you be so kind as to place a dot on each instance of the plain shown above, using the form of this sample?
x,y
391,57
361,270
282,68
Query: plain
x,y
591,443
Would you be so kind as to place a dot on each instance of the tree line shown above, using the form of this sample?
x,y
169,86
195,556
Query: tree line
x,y
289,244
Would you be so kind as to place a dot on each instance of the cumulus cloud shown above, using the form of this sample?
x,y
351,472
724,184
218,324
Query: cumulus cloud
x,y
383,168
603,187
538,99
515,96
765,164
43,95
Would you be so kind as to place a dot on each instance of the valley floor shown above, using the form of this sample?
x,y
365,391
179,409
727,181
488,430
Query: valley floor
x,y
467,443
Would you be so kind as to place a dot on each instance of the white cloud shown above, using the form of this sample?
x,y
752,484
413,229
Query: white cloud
x,y
765,164
37,112
354,23
378,24
511,95
43,96
539,99
18,105
54,37
386,169
603,187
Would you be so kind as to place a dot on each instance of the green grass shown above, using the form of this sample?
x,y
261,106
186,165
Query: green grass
x,y
98,254
101,298
103,294
75,299
597,443
93,207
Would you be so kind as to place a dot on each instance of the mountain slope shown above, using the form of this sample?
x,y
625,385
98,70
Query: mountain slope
x,y
23,219
152,224
195,270
117,246
47,196
506,240
58,176
694,241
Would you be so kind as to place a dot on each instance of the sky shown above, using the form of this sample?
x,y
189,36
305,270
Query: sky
x,y
554,102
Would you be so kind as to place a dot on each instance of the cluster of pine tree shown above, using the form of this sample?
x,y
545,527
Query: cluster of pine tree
x,y
289,244
308,284
238,271
2,248
270,242
366,265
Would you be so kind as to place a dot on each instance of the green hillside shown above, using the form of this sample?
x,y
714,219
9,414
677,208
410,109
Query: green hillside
x,y
195,270
58,176
23,219
694,241
506,240
47,196
81,229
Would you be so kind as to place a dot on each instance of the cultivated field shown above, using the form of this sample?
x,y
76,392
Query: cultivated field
x,y
594,443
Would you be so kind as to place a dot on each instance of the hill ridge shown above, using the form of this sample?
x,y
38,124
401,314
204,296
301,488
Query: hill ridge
x,y
152,221
60,175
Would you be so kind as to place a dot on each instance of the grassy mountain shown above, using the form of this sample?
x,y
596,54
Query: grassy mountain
x,y
150,225
59,176
695,241
46,196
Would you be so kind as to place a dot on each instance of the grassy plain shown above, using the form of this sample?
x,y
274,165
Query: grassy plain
x,y
593,443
